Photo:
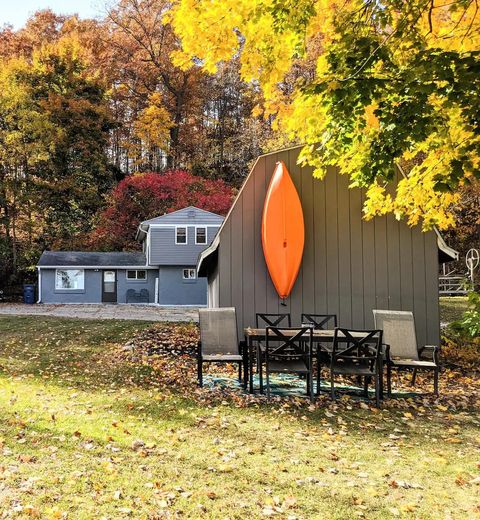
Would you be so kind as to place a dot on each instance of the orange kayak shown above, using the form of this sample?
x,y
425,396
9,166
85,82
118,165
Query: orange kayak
x,y
283,231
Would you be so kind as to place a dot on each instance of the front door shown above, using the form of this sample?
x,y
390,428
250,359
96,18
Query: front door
x,y
109,287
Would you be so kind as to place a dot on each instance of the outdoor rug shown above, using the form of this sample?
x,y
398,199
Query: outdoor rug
x,y
290,385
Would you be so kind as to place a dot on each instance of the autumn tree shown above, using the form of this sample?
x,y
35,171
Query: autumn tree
x,y
72,185
26,134
392,81
54,131
143,196
142,44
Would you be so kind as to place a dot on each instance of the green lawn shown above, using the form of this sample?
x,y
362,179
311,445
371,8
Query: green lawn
x,y
452,308
84,433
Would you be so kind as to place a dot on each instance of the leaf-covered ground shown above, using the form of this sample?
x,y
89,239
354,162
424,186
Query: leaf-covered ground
x,y
91,428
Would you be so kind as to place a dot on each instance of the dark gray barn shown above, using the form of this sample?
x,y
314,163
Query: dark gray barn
x,y
349,267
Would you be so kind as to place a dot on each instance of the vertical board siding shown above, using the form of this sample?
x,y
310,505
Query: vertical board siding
x,y
369,271
296,297
320,246
225,267
308,274
356,258
350,266
381,263
331,228
248,251
419,289
255,206
406,268
431,286
344,253
237,243
393,262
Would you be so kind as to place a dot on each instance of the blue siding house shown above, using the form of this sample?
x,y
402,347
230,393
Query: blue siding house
x,y
164,273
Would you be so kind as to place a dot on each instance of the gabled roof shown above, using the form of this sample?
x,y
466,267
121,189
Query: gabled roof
x,y
190,212
208,257
92,259
189,216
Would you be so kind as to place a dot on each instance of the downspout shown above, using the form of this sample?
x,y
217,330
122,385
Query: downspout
x,y
39,285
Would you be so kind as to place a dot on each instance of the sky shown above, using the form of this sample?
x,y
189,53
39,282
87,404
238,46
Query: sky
x,y
16,12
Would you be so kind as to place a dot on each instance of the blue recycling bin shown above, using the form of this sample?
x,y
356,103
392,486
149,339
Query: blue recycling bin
x,y
29,294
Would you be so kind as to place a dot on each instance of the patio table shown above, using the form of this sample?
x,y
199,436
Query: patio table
x,y
318,337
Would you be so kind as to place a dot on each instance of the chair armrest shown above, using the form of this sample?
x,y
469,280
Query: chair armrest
x,y
434,351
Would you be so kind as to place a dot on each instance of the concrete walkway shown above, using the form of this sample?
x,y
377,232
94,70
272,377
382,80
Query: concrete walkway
x,y
102,312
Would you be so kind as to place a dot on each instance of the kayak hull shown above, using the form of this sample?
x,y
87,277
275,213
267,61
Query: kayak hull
x,y
283,231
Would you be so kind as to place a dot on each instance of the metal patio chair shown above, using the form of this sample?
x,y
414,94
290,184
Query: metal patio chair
x,y
219,341
130,295
263,319
144,295
401,349
289,350
357,353
320,322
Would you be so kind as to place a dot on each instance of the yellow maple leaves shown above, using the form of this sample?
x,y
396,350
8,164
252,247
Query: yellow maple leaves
x,y
274,39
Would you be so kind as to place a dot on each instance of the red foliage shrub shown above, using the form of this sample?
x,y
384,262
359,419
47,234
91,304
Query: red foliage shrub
x,y
144,196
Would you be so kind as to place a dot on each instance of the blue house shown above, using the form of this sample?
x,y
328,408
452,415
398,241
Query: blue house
x,y
163,273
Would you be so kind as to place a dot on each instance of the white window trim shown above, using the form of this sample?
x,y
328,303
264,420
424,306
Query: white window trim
x,y
186,236
206,236
136,279
189,269
69,288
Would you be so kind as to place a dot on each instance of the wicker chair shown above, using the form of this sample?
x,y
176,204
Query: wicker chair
x,y
289,350
357,353
320,322
401,349
219,341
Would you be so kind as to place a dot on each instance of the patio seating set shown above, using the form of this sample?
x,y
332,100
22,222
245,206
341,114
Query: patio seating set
x,y
275,347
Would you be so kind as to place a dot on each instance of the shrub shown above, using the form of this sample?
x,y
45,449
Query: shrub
x,y
469,323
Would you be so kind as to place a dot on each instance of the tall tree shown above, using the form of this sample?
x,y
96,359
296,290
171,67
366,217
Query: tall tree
x,y
54,130
142,44
393,80
73,182
26,136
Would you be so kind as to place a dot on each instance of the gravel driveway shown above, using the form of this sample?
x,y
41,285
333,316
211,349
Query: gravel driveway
x,y
102,312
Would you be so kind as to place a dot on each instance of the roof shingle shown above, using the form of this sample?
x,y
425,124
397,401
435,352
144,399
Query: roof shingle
x,y
91,259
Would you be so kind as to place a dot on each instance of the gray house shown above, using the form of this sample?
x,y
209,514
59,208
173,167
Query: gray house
x,y
349,267
164,273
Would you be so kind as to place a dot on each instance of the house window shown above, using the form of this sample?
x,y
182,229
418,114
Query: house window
x,y
70,279
200,235
181,235
189,274
136,275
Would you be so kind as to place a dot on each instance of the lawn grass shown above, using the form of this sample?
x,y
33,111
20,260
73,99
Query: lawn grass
x,y
452,308
86,435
